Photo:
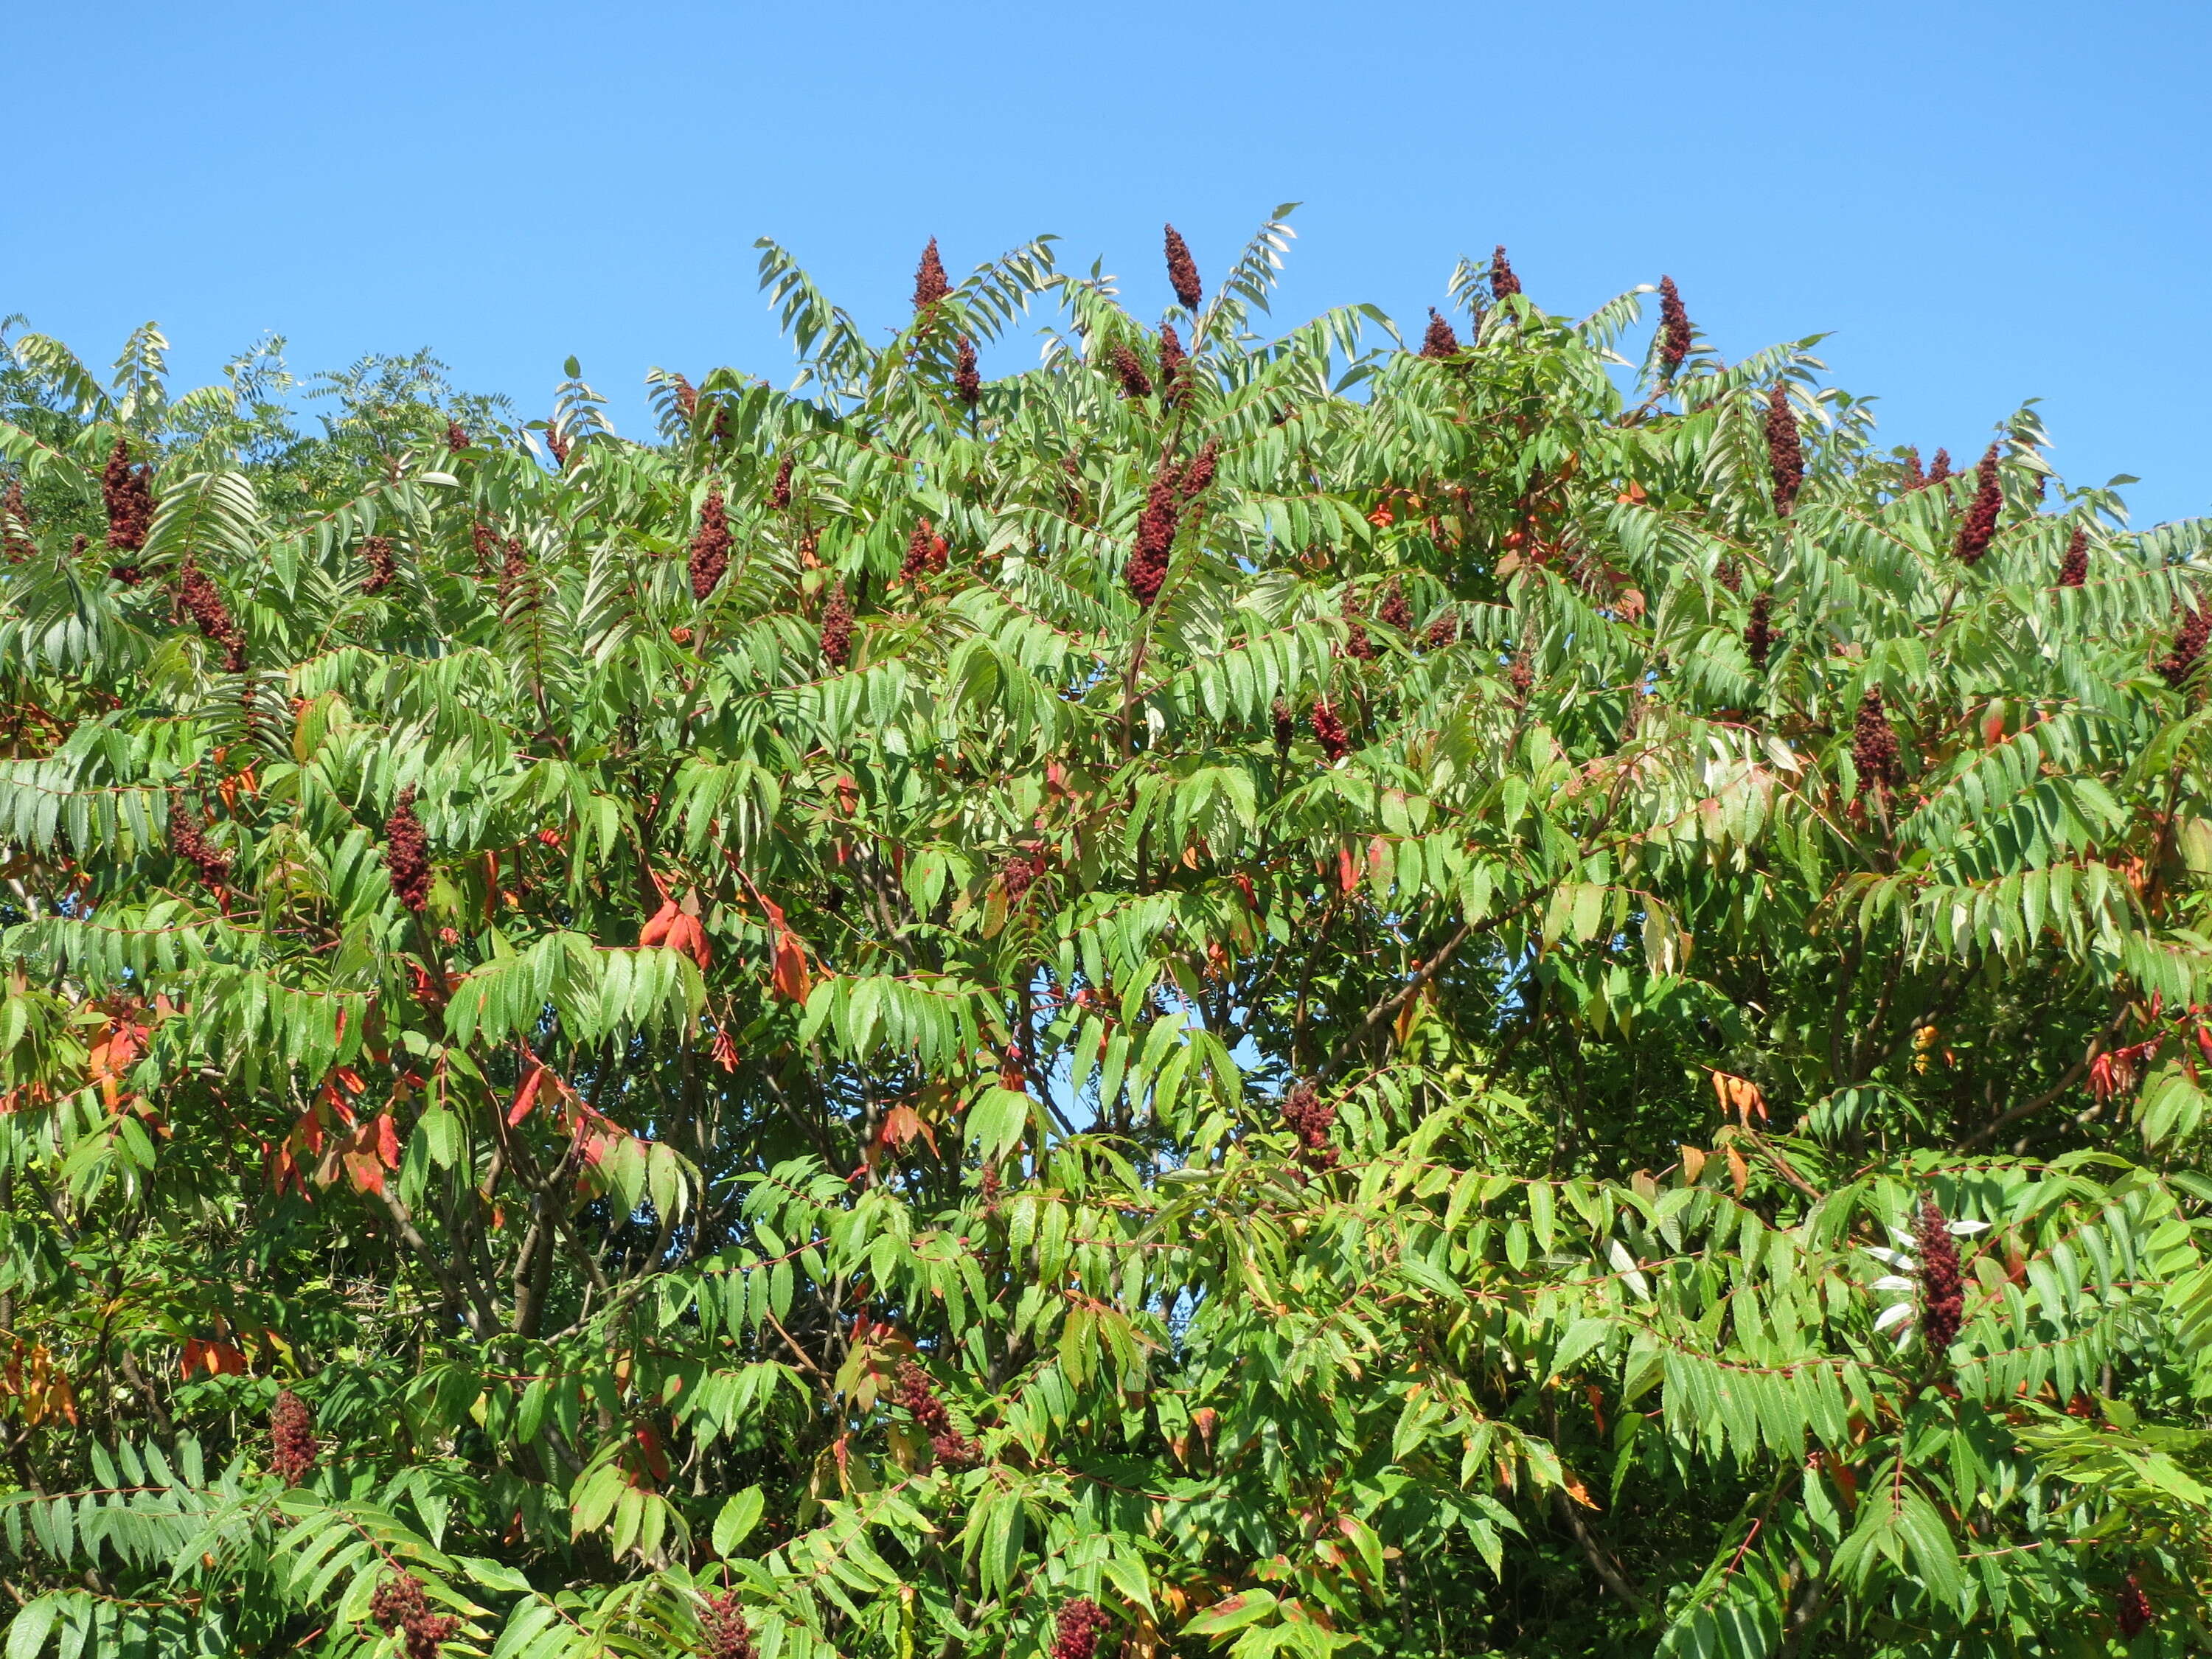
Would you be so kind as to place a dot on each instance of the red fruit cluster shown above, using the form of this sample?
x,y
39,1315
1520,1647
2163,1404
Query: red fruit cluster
x,y
514,571
1940,468
723,1624
1286,726
926,554
1979,528
1020,872
457,437
929,281
292,1444
966,378
1311,1118
1503,281
1942,1294
1174,365
1730,574
1444,631
1439,341
1914,477
407,852
558,445
1874,744
129,493
1674,332
2073,568
1199,472
15,522
1155,533
399,1605
1183,271
383,569
687,399
838,628
203,601
2188,646
1358,644
188,841
1394,610
779,493
1785,453
484,541
2133,1612
1759,632
1328,731
1521,676
710,546
1075,1635
954,1449
1129,369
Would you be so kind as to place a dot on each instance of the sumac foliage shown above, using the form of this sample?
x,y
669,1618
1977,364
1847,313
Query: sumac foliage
x,y
1514,1013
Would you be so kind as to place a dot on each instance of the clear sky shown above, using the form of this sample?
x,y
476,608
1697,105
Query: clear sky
x,y
1983,203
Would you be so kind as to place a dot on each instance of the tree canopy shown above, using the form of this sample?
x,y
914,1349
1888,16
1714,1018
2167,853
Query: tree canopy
x,y
1241,994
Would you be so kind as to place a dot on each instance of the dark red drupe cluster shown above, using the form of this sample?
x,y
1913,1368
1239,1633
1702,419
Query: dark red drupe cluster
x,y
1439,341
1076,1633
1874,744
407,852
1199,472
1785,451
1311,1118
399,1605
710,545
1183,271
292,1444
953,1450
925,553
1444,631
1759,632
1174,367
2188,646
1147,569
967,377
128,491
929,280
383,569
1943,1293
202,601
1357,643
1979,527
779,493
188,841
722,1623
837,627
1328,731
1394,610
1503,281
1129,369
1675,331
2073,568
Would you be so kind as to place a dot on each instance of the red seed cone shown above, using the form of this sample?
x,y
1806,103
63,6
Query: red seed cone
x,y
484,541
1444,631
1357,643
383,569
514,575
1785,452
722,1624
399,1605
1129,369
1439,341
1914,478
925,553
687,399
838,628
1285,726
188,841
1075,1632
1174,364
2073,568
1147,569
1311,1118
1020,872
1393,610
1199,472
407,852
710,545
2133,1612
1942,1296
1328,732
1874,744
201,600
1759,632
1675,334
966,378
15,525
1521,676
1183,271
292,1444
929,281
129,493
779,493
1979,527
1503,281
1940,468
954,1449
2188,646
1730,574
557,445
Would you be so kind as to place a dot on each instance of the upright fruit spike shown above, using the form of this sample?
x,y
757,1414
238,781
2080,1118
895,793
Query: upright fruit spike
x,y
1075,1632
779,493
1147,569
292,1444
1785,452
2073,568
1285,726
1503,281
1439,341
687,399
1759,632
1914,478
557,445
2188,646
966,378
16,524
1979,527
1675,334
710,545
203,601
1328,731
1874,744
129,493
837,627
1129,369
2134,1614
929,281
1943,1296
925,553
1940,468
1393,610
954,1449
1183,271
188,841
407,852
1358,644
1175,365
1444,631
722,1624
1311,1118
457,437
1199,472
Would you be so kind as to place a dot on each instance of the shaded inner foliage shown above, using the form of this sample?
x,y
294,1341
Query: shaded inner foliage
x,y
1435,999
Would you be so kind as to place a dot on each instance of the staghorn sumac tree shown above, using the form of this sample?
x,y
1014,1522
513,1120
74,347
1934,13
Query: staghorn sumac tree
x,y
915,1015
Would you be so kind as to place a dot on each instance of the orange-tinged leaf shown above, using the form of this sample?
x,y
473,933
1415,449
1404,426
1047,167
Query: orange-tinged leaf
x,y
789,975
656,931
525,1097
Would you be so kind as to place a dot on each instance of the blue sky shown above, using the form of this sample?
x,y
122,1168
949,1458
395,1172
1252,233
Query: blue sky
x,y
1983,203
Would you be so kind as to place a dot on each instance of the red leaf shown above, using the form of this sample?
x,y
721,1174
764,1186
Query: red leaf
x,y
1347,873
790,977
665,919
525,1097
